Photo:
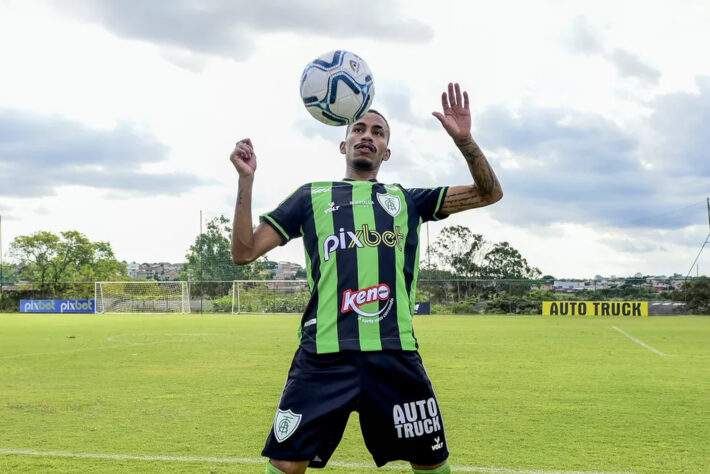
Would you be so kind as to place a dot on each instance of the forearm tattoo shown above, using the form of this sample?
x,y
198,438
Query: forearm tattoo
x,y
486,183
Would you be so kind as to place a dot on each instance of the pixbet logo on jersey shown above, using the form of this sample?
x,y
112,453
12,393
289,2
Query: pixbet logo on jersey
x,y
361,238
354,299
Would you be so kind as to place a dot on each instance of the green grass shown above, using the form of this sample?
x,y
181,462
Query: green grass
x,y
516,393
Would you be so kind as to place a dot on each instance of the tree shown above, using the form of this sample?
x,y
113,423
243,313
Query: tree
x,y
469,255
503,261
9,274
696,294
103,266
210,259
461,251
47,259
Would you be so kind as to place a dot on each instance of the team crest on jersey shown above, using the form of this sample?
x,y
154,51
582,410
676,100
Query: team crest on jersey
x,y
390,203
285,424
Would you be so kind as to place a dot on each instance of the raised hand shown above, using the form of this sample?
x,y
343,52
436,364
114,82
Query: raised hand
x,y
243,158
456,118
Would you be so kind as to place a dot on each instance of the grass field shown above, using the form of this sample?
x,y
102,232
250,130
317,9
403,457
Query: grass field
x,y
174,394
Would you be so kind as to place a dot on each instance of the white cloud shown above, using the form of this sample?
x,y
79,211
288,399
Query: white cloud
x,y
593,120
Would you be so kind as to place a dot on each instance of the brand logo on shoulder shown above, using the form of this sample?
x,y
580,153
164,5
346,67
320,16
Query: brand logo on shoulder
x,y
332,208
390,203
320,190
285,424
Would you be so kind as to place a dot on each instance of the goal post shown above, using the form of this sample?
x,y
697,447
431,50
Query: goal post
x,y
270,296
142,297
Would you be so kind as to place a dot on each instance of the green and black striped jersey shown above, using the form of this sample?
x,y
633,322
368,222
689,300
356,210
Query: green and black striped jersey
x,y
361,240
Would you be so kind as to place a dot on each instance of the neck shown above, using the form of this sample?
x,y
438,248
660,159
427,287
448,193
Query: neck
x,y
360,175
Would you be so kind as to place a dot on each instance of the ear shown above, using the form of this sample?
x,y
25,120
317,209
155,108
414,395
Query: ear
x,y
342,148
387,155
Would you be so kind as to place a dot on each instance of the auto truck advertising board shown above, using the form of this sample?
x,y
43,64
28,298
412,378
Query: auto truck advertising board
x,y
595,308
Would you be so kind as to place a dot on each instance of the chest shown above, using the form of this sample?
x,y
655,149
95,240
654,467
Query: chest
x,y
358,217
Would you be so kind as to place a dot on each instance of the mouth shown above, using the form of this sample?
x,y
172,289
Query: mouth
x,y
365,147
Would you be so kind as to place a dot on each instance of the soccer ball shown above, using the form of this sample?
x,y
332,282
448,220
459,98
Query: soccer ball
x,y
337,87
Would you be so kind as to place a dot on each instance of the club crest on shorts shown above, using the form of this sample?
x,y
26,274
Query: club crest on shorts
x,y
390,203
285,424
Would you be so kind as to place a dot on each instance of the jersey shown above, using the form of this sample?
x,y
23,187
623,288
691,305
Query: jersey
x,y
361,240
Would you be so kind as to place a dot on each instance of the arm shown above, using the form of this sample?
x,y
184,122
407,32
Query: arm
x,y
486,188
248,243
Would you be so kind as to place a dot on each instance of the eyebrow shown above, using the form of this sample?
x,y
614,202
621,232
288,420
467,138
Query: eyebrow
x,y
364,124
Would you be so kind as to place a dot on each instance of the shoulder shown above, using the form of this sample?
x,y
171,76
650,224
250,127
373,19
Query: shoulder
x,y
409,191
394,187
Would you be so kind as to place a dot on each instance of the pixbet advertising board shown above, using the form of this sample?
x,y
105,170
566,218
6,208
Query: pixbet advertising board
x,y
56,306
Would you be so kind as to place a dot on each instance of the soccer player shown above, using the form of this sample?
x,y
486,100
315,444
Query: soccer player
x,y
357,347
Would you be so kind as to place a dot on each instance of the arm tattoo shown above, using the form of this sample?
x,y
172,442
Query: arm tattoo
x,y
486,188
482,173
457,201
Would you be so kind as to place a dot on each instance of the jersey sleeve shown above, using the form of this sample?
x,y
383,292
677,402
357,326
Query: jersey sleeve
x,y
287,217
428,202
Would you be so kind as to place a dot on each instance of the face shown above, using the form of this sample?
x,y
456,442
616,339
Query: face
x,y
365,146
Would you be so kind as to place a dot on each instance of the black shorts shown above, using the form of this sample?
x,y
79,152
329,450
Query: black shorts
x,y
399,414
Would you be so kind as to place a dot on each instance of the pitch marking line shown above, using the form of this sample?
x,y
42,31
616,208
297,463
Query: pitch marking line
x,y
501,470
119,345
641,343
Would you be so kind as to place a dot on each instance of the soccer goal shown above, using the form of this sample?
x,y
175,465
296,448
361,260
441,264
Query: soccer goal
x,y
270,296
142,297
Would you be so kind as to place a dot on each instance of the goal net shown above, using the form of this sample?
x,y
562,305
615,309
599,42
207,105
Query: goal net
x,y
142,297
270,296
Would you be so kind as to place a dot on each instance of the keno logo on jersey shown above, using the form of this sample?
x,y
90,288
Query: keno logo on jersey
x,y
352,300
390,203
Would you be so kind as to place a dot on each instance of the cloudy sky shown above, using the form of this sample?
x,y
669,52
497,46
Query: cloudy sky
x,y
117,118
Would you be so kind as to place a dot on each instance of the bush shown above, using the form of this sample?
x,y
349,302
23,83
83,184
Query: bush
x,y
222,305
513,305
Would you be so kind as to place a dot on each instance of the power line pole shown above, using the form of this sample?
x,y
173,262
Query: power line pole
x,y
697,270
707,240
199,251
1,269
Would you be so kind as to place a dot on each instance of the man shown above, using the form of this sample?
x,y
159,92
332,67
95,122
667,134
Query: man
x,y
357,346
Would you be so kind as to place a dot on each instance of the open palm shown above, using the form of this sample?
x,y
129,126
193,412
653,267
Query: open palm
x,y
456,118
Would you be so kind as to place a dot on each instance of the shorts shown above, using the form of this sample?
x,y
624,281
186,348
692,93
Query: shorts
x,y
399,415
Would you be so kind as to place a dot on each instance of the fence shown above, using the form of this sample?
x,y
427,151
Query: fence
x,y
269,296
